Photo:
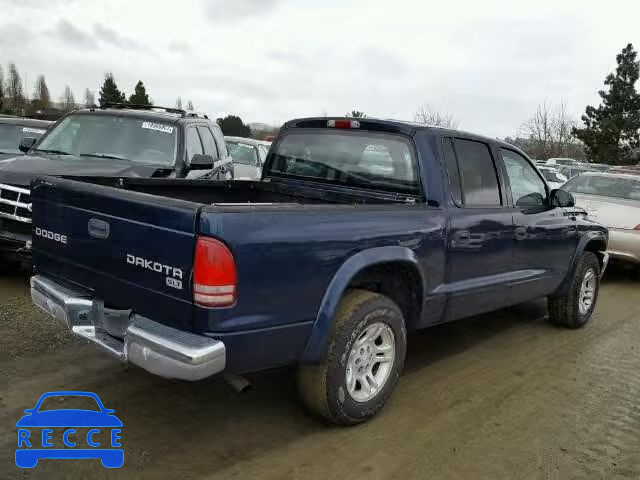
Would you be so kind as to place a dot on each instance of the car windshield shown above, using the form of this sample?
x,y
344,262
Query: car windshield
x,y
552,175
243,153
69,402
11,135
604,185
362,159
113,137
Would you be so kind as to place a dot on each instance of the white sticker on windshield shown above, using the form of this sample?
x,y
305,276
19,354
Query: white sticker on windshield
x,y
157,126
33,130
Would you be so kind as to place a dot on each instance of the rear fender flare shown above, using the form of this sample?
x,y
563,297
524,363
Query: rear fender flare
x,y
582,244
349,269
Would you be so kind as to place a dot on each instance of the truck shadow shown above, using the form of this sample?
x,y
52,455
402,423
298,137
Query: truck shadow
x,y
206,428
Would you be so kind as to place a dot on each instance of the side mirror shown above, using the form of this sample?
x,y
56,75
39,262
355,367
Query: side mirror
x,y
26,143
531,200
562,198
201,162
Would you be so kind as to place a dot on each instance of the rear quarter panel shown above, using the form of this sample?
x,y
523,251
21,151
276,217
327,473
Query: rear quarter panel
x,y
288,255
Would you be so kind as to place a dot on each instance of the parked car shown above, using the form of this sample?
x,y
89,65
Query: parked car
x,y
553,176
573,171
562,161
248,156
600,167
614,201
325,264
116,140
14,129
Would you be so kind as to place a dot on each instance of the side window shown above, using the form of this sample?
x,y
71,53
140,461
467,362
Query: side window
x,y
452,170
527,188
222,146
194,146
208,142
477,174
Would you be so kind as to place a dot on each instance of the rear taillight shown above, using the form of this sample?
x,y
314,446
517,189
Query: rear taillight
x,y
343,124
214,274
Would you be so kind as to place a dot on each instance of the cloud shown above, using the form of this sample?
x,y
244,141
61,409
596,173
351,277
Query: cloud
x,y
220,11
110,37
179,47
69,33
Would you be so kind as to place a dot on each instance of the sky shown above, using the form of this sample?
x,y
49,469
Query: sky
x,y
489,63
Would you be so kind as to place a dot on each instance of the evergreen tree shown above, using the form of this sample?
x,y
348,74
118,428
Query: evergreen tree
x,y
190,106
355,114
140,97
612,130
233,125
179,103
109,92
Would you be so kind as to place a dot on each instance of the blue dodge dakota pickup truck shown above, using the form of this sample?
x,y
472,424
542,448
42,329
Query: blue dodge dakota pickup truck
x,y
360,231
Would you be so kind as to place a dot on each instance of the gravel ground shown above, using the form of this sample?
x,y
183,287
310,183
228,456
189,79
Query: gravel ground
x,y
503,395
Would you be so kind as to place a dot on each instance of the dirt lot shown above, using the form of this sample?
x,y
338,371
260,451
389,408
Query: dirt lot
x,y
500,396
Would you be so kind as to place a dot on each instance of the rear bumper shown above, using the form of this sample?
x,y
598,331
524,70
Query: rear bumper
x,y
159,349
624,245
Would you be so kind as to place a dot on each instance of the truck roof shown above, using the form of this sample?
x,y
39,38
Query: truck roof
x,y
164,114
395,126
27,122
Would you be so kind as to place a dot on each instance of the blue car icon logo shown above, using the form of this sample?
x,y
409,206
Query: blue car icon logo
x,y
80,433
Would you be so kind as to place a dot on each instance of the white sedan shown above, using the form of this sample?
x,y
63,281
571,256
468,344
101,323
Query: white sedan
x,y
552,175
612,199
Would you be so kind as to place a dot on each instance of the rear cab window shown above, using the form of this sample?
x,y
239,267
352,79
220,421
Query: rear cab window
x,y
472,173
364,159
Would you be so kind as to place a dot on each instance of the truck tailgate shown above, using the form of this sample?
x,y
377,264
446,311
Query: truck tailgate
x,y
133,250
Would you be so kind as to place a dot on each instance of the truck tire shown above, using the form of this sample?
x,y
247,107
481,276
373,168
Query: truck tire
x,y
574,308
362,361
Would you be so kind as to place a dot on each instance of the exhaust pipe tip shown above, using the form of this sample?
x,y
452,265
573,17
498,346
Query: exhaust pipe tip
x,y
239,383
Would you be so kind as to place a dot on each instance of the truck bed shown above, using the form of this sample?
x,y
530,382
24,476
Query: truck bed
x,y
236,192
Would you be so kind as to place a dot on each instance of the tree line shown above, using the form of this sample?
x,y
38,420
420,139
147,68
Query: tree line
x,y
15,99
610,132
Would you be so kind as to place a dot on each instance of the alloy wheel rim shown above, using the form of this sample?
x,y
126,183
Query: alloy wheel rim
x,y
587,291
370,362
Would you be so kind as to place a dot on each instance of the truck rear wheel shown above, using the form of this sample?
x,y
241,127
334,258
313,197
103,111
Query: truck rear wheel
x,y
574,309
362,361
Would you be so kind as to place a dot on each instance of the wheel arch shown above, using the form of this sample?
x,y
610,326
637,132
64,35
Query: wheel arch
x,y
382,269
594,242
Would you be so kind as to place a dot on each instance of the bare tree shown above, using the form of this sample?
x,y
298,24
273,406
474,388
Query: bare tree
x,y
68,101
41,96
2,92
425,114
89,98
14,95
179,103
190,106
548,133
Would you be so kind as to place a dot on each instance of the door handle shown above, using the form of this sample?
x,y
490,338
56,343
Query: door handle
x,y
461,236
520,233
